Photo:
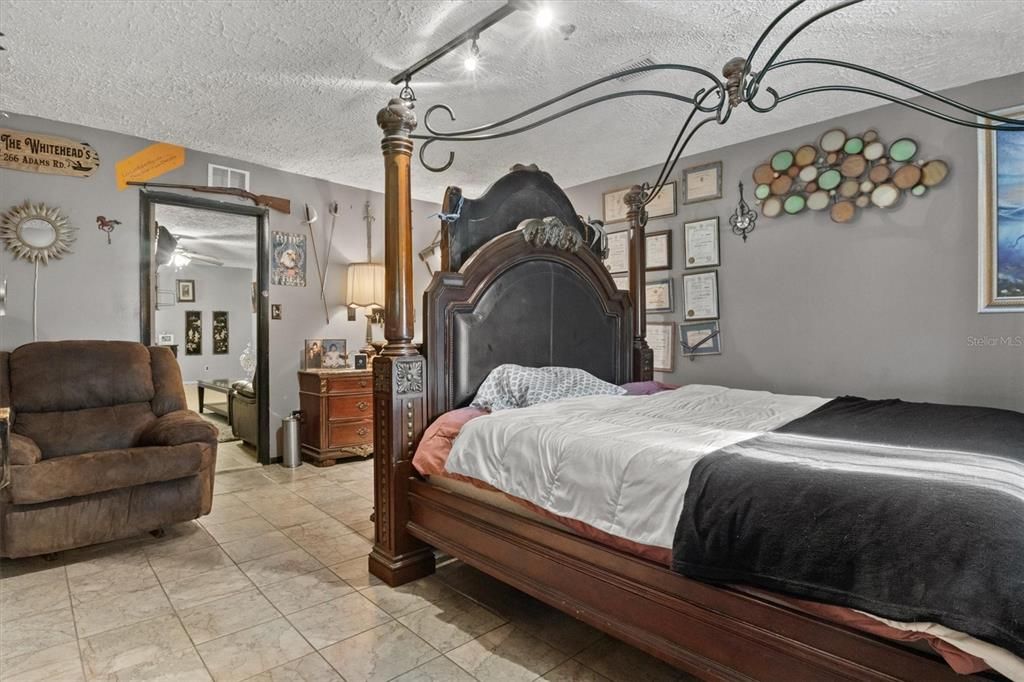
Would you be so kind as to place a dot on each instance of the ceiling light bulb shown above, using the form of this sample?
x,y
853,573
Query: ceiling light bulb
x,y
544,17
470,63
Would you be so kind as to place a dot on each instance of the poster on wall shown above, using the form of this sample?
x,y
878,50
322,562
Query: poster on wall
x,y
39,153
149,163
289,267
1001,218
220,332
193,332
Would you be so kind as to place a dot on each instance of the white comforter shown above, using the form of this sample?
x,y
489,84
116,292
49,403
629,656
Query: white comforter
x,y
618,463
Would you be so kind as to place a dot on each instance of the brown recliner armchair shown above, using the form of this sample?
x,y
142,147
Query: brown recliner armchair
x,y
102,446
244,415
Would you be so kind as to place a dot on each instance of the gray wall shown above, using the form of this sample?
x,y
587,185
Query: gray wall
x,y
217,288
93,293
882,307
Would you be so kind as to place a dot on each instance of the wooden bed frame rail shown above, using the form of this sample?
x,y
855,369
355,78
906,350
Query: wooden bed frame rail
x,y
712,632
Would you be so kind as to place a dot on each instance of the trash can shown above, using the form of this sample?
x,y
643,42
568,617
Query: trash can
x,y
290,455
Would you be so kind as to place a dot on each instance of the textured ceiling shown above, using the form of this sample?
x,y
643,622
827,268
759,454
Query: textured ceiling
x,y
227,237
296,85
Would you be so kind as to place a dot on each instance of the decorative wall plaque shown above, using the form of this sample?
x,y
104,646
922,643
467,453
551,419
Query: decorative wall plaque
x,y
39,153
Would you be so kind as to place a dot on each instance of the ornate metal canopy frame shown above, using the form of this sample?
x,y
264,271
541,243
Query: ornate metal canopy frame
x,y
713,101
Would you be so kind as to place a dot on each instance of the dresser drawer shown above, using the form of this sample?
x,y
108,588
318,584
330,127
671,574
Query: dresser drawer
x,y
350,433
356,384
350,407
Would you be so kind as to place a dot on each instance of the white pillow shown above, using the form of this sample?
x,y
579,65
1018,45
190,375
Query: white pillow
x,y
511,386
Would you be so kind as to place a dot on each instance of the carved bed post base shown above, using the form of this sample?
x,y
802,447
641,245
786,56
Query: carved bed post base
x,y
399,373
643,356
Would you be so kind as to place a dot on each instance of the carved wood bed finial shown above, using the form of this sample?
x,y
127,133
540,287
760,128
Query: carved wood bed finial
x,y
399,372
636,215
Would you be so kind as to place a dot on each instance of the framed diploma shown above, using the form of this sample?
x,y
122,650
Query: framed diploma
x,y
700,296
618,252
615,209
700,243
622,282
659,250
699,338
658,295
702,183
661,337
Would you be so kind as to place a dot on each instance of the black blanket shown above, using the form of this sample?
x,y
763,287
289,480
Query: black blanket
x,y
913,512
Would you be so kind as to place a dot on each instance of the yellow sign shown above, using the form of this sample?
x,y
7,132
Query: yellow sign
x,y
39,153
151,162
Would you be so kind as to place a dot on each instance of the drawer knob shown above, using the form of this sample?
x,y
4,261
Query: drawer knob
x,y
362,405
363,431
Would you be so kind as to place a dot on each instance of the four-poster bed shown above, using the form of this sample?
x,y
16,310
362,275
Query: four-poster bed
x,y
506,295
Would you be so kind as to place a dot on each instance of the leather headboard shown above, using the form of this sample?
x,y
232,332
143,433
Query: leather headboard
x,y
516,302
523,193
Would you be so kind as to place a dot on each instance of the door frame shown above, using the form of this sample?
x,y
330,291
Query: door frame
x,y
148,201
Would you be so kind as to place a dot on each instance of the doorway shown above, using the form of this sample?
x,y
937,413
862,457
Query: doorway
x,y
204,292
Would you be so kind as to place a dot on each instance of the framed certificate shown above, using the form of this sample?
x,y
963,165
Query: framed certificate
x,y
700,243
659,250
661,337
615,209
658,296
702,183
699,338
618,252
700,296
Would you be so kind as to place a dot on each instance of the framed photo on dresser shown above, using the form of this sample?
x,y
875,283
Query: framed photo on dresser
x,y
700,244
658,296
661,337
700,296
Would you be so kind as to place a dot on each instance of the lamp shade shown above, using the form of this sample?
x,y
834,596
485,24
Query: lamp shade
x,y
365,285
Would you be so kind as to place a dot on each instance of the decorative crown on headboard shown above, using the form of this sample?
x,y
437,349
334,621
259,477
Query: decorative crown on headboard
x,y
551,231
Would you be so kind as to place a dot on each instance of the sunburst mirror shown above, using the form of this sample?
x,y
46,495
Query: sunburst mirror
x,y
37,232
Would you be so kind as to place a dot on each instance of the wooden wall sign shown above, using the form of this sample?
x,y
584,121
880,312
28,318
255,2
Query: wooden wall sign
x,y
39,153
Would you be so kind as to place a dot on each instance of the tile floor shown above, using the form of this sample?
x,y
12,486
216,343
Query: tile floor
x,y
273,586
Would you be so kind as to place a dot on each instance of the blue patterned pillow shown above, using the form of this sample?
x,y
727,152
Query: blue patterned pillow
x,y
511,386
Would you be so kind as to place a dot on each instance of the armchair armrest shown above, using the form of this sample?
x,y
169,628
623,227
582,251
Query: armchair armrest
x,y
23,450
177,428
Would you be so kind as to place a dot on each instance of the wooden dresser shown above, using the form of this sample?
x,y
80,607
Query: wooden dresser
x,y
337,408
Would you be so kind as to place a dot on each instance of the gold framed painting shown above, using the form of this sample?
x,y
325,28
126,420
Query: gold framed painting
x,y
1001,218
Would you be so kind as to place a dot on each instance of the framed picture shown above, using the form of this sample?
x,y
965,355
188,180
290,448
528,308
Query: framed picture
x,y
658,296
165,340
193,332
275,311
700,244
661,337
702,183
360,360
615,210
312,358
699,338
220,332
621,282
618,252
700,296
186,290
335,353
659,250
288,268
1001,219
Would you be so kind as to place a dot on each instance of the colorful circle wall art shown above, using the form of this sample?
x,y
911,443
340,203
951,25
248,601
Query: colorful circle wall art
x,y
844,173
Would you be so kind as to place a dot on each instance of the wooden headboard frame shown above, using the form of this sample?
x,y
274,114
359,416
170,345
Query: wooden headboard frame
x,y
403,378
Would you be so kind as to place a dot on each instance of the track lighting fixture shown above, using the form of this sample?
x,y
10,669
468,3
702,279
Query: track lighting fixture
x,y
473,59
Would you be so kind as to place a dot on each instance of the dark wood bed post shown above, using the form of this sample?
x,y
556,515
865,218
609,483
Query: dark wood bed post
x,y
643,356
399,372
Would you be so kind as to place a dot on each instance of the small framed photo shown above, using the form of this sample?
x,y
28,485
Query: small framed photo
x,y
617,261
661,337
335,354
165,339
700,244
700,296
699,338
360,360
659,250
312,358
186,290
275,311
702,183
658,296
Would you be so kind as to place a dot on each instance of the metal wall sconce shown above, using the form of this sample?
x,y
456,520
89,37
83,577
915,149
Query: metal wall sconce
x,y
743,220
